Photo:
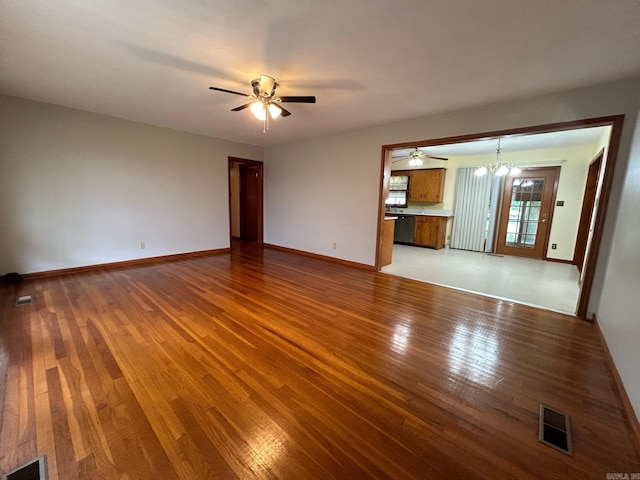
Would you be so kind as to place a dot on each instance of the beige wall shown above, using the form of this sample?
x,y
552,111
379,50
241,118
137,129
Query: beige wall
x,y
77,188
618,302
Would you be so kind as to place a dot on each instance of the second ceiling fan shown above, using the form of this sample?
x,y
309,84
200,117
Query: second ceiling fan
x,y
417,157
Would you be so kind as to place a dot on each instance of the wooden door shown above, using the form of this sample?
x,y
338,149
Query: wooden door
x,y
527,209
249,202
588,204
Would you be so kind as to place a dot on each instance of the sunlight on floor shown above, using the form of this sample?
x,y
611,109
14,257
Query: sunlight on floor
x,y
549,285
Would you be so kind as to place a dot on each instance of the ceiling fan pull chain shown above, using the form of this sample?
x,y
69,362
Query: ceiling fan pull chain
x,y
265,126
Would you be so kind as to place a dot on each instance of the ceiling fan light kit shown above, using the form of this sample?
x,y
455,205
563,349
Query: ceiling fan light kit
x,y
264,103
417,158
260,110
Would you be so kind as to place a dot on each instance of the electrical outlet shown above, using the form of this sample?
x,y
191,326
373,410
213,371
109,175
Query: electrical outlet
x,y
141,245
554,246
335,245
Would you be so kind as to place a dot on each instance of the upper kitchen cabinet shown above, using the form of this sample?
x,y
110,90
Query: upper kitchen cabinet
x,y
426,185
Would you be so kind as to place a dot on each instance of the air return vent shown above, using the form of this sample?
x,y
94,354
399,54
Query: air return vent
x,y
23,300
555,430
34,470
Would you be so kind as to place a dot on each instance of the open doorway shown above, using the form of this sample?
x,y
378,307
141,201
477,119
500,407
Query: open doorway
x,y
613,126
245,201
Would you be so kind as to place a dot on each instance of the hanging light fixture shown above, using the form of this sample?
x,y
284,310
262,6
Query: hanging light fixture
x,y
497,168
416,158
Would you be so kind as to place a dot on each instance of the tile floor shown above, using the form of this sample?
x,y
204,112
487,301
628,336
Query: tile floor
x,y
549,285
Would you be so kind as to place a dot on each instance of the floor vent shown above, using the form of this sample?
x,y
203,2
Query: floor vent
x,y
555,430
23,300
34,470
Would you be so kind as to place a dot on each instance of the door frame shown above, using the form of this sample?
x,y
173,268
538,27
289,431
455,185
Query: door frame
x,y
586,213
549,221
614,121
260,165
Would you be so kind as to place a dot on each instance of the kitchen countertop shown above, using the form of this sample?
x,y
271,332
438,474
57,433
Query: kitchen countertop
x,y
419,211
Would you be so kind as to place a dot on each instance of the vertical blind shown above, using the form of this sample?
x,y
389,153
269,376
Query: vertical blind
x,y
471,210
494,211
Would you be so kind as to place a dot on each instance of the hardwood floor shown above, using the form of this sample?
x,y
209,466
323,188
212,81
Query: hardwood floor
x,y
274,365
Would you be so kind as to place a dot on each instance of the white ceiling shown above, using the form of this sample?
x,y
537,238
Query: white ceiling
x,y
369,62
513,143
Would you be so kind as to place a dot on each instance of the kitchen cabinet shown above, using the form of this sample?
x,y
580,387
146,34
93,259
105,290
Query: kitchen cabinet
x,y
427,185
431,231
386,246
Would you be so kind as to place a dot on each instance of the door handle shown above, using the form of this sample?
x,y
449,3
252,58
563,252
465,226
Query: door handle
x,y
544,220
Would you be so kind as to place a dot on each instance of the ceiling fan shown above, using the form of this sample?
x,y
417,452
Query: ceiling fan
x,y
417,158
264,102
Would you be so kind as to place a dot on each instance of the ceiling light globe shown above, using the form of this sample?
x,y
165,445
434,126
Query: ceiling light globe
x,y
258,110
515,171
502,171
274,110
480,172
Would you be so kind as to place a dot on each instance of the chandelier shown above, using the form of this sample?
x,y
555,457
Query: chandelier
x,y
497,168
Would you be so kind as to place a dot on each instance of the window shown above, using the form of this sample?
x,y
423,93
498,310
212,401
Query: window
x,y
397,198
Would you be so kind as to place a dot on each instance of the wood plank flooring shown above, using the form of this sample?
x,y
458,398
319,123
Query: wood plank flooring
x,y
267,364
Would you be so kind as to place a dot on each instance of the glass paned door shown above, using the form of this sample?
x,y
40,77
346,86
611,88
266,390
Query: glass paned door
x,y
526,211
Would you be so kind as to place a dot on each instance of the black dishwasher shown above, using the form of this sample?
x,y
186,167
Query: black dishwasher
x,y
405,229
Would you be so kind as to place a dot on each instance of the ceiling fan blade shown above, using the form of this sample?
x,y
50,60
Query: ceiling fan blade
x,y
228,91
285,113
299,99
242,107
437,158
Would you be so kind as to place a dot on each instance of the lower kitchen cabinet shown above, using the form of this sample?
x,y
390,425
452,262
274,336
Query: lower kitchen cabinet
x,y
386,246
431,231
